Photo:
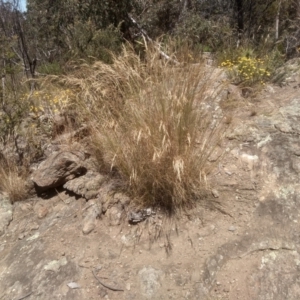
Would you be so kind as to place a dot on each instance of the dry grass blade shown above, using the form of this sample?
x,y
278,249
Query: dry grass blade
x,y
12,182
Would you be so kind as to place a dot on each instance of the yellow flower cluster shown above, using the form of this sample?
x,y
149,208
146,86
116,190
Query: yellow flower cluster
x,y
247,69
50,101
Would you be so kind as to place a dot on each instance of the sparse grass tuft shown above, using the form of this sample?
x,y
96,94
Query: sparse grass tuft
x,y
152,124
13,182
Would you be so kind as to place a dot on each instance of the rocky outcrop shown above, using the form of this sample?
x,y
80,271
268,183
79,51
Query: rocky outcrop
x,y
87,185
6,212
59,168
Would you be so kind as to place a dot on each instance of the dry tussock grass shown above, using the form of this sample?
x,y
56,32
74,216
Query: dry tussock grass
x,y
151,124
13,181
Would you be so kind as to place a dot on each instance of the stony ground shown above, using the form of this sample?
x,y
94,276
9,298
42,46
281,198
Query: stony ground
x,y
248,249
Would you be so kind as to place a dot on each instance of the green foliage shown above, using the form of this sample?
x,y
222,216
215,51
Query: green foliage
x,y
248,67
85,41
76,29
13,110
206,35
50,68
246,70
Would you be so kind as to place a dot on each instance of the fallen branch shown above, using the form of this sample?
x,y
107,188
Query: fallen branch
x,y
27,295
156,45
107,286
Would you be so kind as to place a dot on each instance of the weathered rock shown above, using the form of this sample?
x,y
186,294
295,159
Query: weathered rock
x,y
87,185
55,265
41,210
6,212
139,215
276,265
114,215
215,193
93,212
109,197
58,169
73,285
150,282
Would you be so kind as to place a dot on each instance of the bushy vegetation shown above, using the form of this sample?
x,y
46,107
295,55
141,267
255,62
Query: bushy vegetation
x,y
247,70
131,71
150,126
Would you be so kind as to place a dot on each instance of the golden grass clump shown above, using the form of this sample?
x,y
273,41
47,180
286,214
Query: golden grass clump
x,y
13,182
152,123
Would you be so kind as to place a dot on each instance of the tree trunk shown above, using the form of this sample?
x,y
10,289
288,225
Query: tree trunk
x,y
277,21
240,15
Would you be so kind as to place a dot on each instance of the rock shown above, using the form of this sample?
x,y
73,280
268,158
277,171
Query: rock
x,y
41,210
73,285
33,237
150,282
59,168
109,196
55,265
215,193
268,88
206,231
122,199
114,215
102,292
139,215
89,221
232,228
26,207
34,226
87,185
129,239
273,285
6,212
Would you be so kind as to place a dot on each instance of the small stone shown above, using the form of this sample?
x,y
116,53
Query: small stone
x,y
232,228
21,236
102,293
34,226
6,212
41,211
73,285
88,227
89,222
215,193
55,265
128,286
150,282
26,207
114,215
34,237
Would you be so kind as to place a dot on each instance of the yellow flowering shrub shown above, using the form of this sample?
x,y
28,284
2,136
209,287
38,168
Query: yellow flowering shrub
x,y
247,70
48,101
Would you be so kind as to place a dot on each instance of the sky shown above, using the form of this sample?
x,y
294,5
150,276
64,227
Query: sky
x,y
23,5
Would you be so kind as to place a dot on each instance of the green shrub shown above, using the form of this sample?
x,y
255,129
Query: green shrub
x,y
246,70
